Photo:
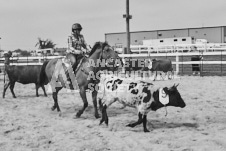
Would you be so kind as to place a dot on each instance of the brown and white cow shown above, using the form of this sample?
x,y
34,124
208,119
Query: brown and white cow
x,y
138,94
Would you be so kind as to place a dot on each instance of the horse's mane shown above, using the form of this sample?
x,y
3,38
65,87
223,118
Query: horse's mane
x,y
97,45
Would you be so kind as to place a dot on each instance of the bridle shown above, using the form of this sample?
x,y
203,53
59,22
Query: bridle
x,y
95,68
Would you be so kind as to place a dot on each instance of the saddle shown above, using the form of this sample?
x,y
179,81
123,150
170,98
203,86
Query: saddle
x,y
67,63
68,67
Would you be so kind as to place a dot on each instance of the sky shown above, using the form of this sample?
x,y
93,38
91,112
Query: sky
x,y
23,21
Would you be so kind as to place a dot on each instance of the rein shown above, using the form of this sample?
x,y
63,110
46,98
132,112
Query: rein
x,y
4,73
166,110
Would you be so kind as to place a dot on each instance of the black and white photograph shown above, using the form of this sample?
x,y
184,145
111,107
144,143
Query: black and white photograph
x,y
112,75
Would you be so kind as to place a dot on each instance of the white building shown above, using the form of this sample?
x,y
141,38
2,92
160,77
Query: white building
x,y
47,51
216,34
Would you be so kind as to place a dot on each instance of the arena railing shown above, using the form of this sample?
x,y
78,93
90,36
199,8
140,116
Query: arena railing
x,y
180,60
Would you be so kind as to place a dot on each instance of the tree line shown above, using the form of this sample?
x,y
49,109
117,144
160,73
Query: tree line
x,y
41,44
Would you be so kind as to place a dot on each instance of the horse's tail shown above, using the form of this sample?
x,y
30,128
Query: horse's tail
x,y
42,77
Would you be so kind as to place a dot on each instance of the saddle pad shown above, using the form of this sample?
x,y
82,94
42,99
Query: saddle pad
x,y
66,62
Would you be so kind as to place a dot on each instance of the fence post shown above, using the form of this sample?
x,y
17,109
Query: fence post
x,y
182,56
177,64
201,72
221,63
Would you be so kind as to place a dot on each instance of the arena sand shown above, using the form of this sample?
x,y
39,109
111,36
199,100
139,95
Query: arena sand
x,y
27,123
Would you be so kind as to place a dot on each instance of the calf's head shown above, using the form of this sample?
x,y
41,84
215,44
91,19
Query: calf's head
x,y
174,97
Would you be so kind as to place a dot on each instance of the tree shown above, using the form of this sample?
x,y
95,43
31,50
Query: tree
x,y
18,50
25,53
22,52
43,44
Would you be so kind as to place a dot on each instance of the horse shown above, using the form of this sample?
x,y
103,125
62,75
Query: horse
x,y
83,75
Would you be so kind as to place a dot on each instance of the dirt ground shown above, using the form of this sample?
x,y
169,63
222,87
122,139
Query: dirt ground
x,y
27,122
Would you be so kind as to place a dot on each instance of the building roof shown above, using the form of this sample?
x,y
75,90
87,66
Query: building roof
x,y
165,30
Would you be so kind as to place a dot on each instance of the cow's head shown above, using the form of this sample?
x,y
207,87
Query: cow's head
x,y
174,97
7,56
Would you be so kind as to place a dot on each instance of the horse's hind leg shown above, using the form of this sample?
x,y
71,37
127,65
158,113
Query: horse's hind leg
x,y
54,95
37,86
44,90
94,96
56,105
85,102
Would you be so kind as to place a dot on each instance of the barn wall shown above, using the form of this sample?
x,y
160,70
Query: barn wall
x,y
212,34
172,33
137,37
224,34
116,39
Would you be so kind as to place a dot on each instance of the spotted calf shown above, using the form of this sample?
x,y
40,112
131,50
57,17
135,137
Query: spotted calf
x,y
137,94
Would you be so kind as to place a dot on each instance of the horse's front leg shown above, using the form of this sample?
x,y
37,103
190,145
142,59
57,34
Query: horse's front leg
x,y
85,102
94,96
155,75
55,98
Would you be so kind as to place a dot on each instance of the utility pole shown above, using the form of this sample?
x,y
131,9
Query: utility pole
x,y
0,44
128,17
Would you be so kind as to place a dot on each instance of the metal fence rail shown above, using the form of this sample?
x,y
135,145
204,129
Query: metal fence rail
x,y
212,62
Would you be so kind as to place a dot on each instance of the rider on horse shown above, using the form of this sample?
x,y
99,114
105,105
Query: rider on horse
x,y
77,46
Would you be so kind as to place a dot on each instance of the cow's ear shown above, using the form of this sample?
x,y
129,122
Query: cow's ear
x,y
176,85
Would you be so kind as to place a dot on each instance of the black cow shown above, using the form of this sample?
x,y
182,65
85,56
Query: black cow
x,y
159,65
22,74
138,94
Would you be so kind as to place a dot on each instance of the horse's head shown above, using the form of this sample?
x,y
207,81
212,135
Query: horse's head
x,y
106,55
